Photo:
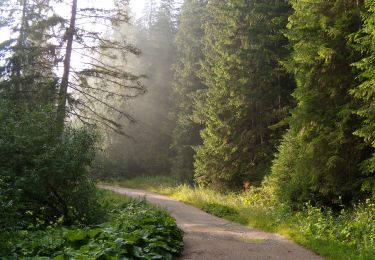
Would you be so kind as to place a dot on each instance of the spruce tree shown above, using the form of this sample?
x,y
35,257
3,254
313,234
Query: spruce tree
x,y
29,56
319,156
247,91
365,92
186,86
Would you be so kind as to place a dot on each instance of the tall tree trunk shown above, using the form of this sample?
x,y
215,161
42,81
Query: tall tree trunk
x,y
63,92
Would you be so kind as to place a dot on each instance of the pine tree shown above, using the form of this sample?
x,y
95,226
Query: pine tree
x,y
247,91
186,85
319,156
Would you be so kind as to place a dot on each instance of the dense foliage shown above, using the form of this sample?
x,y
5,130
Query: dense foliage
x,y
134,230
45,153
273,93
248,91
366,91
44,175
50,206
187,88
319,157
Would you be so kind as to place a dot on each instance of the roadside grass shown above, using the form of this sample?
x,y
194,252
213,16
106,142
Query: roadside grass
x,y
160,184
133,229
348,235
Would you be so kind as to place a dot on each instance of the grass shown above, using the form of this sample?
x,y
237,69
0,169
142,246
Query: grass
x,y
349,235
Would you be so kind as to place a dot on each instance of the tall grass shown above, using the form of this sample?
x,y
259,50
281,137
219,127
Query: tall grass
x,y
347,235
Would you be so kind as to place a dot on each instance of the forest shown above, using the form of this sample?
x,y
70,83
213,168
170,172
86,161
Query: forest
x,y
261,112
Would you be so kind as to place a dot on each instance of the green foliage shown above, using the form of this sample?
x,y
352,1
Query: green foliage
x,y
44,175
365,92
26,70
319,156
289,180
347,228
248,91
135,230
186,86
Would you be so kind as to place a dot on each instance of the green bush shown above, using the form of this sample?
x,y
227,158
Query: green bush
x,y
44,173
135,230
289,179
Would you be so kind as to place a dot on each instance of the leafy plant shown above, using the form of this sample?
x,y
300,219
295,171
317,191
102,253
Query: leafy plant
x,y
135,230
44,173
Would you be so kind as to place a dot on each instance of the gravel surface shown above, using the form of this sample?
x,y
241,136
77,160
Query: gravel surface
x,y
211,238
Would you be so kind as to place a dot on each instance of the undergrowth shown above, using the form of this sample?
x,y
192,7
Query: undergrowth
x,y
349,234
133,230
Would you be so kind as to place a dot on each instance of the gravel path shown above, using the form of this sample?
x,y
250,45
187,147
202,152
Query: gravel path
x,y
210,238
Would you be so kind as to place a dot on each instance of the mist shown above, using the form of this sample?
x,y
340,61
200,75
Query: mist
x,y
145,148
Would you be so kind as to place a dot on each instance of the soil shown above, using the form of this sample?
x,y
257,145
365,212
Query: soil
x,y
208,237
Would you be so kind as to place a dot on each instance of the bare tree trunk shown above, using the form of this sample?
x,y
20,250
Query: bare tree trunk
x,y
63,92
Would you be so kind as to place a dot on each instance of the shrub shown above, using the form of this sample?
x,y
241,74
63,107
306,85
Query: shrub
x,y
44,172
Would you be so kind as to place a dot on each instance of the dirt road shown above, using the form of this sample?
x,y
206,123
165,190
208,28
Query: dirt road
x,y
210,238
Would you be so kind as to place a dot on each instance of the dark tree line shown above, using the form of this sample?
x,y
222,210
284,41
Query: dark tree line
x,y
319,158
280,90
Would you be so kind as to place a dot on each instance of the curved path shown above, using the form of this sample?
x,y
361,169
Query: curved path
x,y
208,237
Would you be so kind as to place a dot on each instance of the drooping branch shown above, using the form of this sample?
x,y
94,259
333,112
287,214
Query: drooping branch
x,y
88,95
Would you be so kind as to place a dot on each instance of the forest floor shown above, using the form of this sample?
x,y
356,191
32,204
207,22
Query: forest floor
x,y
208,237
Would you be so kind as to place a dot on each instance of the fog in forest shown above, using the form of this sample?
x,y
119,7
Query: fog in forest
x,y
145,147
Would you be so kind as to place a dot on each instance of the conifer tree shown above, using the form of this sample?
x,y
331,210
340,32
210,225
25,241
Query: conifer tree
x,y
186,86
90,43
365,92
319,156
247,91
45,44
29,56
